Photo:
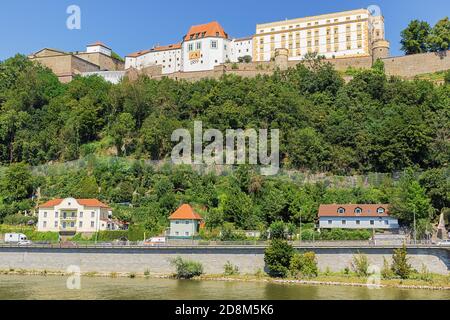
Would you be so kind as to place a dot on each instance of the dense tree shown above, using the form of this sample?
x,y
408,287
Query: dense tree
x,y
415,36
439,38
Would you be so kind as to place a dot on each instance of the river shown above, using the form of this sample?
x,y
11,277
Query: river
x,y
54,288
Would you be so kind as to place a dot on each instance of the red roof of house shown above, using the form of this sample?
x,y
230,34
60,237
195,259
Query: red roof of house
x,y
174,46
212,29
368,210
83,202
185,212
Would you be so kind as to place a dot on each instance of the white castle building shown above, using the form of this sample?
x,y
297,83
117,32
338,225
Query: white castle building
x,y
337,35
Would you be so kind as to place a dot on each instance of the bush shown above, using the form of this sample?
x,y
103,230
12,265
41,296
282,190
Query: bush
x,y
447,77
187,269
360,265
386,272
304,265
400,266
278,258
341,234
230,269
19,219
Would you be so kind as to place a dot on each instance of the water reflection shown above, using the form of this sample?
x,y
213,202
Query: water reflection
x,y
54,288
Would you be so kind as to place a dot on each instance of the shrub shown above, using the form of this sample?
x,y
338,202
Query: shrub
x,y
447,77
187,269
400,266
360,265
425,274
19,219
304,265
278,258
230,269
386,272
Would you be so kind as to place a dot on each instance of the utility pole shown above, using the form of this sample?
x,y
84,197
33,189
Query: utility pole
x,y
415,233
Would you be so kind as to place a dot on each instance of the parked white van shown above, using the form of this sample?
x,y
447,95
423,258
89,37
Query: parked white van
x,y
15,237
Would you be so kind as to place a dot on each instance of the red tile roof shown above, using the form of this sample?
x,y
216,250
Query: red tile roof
x,y
137,54
368,210
83,202
175,46
212,29
166,48
185,212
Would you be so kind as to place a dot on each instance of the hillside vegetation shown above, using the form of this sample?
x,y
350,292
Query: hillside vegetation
x,y
371,124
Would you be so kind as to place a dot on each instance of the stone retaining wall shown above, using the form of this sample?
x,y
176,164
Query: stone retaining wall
x,y
157,260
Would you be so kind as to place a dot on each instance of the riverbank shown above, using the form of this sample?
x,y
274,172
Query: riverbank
x,y
437,282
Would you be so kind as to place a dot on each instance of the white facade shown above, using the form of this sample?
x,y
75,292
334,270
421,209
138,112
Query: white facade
x,y
99,48
358,223
344,34
205,54
184,228
71,215
168,57
111,76
241,48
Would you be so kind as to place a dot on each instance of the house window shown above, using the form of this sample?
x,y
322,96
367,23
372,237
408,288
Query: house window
x,y
45,214
358,222
358,210
80,224
81,214
330,221
56,224
177,233
177,222
190,47
341,210
372,222
56,214
72,224
187,222
213,44
380,210
199,46
92,224
344,222
92,214
187,234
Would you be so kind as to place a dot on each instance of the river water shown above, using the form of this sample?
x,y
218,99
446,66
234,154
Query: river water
x,y
55,288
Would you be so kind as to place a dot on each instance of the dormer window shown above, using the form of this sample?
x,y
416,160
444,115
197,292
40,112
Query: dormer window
x,y
341,210
217,34
381,211
358,211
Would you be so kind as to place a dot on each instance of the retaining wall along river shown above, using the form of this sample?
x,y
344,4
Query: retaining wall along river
x,y
157,260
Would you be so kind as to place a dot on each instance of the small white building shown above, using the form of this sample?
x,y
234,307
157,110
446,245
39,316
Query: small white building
x,y
356,216
72,216
99,47
184,223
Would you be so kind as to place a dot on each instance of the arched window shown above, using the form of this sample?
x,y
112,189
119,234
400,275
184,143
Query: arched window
x,y
341,210
358,211
381,210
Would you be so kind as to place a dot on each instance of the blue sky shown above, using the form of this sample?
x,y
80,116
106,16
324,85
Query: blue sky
x,y
127,26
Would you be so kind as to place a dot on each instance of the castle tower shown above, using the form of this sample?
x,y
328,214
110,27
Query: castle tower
x,y
281,58
380,46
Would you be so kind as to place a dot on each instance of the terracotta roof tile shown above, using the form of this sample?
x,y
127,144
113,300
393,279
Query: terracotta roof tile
x,y
368,210
83,202
51,203
212,29
185,212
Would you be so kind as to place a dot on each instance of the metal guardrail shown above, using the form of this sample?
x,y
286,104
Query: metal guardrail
x,y
218,245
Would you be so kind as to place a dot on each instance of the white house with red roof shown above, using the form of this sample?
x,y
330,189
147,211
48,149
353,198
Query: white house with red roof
x,y
185,223
202,48
356,216
70,216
